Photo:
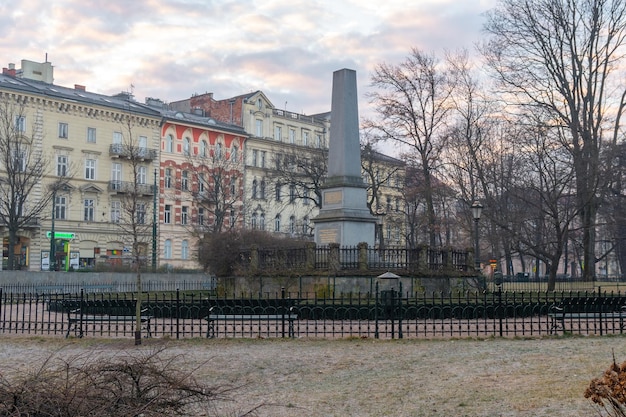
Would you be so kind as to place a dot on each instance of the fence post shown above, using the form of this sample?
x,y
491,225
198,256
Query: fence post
x,y
309,262
82,308
334,258
400,313
376,313
177,313
363,261
282,302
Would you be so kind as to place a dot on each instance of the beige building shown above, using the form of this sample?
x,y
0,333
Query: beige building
x,y
84,140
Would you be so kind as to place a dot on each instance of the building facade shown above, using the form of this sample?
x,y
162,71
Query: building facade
x,y
82,141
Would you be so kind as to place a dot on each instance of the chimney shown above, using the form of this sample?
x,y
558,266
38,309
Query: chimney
x,y
9,71
79,87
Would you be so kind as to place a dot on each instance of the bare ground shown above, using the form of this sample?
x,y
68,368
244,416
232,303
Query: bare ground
x,y
365,377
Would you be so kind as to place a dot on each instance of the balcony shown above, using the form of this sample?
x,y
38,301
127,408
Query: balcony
x,y
127,187
118,150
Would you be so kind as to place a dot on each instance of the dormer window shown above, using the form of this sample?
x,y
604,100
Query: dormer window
x,y
259,103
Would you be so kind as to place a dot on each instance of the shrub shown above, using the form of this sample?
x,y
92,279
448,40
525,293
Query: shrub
x,y
609,392
131,384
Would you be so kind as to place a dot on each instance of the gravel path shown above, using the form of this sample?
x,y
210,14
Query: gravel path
x,y
365,377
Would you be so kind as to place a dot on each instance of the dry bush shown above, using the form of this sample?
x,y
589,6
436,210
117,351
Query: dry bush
x,y
141,383
609,392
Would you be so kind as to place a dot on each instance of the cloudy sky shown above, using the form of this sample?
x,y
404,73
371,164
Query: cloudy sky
x,y
171,49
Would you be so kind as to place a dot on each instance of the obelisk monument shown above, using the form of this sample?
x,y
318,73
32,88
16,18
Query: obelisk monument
x,y
344,217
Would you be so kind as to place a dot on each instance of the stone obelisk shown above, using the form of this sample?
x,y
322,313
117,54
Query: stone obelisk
x,y
344,217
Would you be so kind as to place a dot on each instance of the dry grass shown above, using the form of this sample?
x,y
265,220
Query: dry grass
x,y
364,377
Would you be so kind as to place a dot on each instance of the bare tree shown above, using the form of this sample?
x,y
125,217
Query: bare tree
x,y
562,57
413,105
23,198
133,216
218,189
303,172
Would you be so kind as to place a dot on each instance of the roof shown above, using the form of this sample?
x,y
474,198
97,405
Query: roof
x,y
24,85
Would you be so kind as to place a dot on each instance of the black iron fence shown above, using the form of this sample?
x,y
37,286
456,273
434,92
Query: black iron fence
x,y
385,313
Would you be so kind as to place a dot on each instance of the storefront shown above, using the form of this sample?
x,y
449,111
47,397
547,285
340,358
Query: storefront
x,y
64,256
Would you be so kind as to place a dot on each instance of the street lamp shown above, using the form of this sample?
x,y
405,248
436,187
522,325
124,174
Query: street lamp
x,y
477,210
154,223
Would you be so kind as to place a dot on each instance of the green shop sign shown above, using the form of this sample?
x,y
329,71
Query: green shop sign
x,y
61,235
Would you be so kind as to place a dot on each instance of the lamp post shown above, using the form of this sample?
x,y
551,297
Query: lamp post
x,y
154,223
477,209
52,257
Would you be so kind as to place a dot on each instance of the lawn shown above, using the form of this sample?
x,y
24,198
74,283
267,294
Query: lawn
x,y
366,377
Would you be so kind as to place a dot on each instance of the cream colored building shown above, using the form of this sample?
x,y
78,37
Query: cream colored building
x,y
85,138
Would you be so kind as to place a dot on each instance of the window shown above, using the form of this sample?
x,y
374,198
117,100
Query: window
x,y
255,157
397,204
388,208
89,210
203,148
259,104
318,141
262,221
233,184
305,138
167,214
184,181
62,165
117,138
184,215
63,130
201,216
20,124
292,136
187,147
116,211
278,133
278,191
142,175
184,249
143,147
232,218
305,197
116,176
254,188
141,213
263,154
292,193
91,134
305,226
292,225
60,207
168,178
19,161
262,191
218,151
234,153
388,232
278,161
167,249
254,221
90,169
277,223
169,143
201,183
259,128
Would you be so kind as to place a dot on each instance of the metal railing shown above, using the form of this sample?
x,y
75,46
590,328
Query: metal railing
x,y
385,313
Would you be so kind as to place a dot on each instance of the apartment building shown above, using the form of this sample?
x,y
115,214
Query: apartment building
x,y
83,144
200,183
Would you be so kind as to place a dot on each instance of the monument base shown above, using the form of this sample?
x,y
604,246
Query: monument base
x,y
344,230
